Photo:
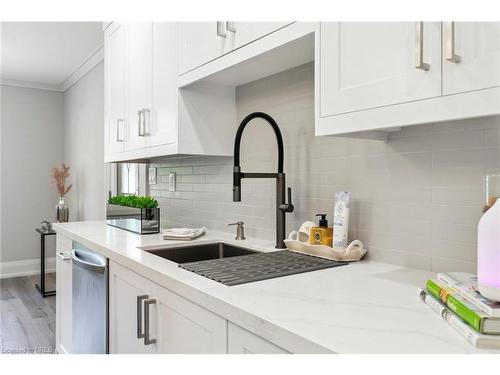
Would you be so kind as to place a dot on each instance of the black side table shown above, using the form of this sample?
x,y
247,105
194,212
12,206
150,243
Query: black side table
x,y
41,288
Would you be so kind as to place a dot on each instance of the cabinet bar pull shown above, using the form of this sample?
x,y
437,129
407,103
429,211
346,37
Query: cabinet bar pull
x,y
230,26
119,130
140,334
220,29
419,47
147,339
450,43
145,121
143,117
140,121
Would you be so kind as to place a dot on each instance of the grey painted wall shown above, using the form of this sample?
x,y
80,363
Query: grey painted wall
x,y
31,144
84,145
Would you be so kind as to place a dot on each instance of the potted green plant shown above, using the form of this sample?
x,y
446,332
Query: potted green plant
x,y
138,214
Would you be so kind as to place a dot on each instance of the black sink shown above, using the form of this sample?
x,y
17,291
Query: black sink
x,y
186,254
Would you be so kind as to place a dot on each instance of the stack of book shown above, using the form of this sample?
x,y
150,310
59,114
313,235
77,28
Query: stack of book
x,y
455,298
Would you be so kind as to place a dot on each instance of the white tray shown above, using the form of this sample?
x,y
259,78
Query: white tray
x,y
354,252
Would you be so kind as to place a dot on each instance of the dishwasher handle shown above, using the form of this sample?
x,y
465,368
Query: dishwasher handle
x,y
88,260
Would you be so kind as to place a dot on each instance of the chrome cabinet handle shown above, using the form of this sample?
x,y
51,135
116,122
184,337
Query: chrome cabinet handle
x,y
220,29
147,339
146,121
143,115
140,334
64,256
230,26
119,130
450,43
419,47
140,121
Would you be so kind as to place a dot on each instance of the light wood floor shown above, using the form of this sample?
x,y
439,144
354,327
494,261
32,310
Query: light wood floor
x,y
27,320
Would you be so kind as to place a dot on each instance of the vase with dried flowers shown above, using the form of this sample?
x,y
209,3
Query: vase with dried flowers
x,y
60,175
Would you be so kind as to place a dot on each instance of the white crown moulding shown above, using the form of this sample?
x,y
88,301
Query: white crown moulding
x,y
86,66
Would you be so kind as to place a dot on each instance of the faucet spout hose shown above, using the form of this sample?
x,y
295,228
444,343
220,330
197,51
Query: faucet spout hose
x,y
276,129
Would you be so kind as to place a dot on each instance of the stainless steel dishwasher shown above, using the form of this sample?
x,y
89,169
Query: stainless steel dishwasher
x,y
90,301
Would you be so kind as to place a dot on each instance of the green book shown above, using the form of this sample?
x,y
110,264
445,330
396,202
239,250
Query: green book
x,y
470,314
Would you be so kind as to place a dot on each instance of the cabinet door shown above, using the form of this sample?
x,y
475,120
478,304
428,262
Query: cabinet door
x,y
478,46
372,64
199,43
114,73
165,93
241,341
186,328
124,320
138,82
63,295
246,32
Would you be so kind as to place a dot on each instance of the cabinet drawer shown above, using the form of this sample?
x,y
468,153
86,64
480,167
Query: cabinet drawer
x,y
241,341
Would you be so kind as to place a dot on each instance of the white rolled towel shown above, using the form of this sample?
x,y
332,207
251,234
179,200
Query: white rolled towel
x,y
183,233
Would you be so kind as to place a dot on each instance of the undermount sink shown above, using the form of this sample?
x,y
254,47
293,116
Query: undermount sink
x,y
195,253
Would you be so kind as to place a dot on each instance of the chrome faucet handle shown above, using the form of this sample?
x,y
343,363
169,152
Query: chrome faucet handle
x,y
288,207
240,230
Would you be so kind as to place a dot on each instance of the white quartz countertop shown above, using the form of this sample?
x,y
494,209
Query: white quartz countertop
x,y
364,307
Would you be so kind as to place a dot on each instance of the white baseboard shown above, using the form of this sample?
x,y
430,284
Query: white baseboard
x,y
25,267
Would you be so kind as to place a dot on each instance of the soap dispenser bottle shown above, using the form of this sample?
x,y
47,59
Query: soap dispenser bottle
x,y
322,234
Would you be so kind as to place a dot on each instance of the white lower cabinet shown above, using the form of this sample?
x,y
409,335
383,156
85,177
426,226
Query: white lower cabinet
x,y
176,325
241,341
63,295
127,292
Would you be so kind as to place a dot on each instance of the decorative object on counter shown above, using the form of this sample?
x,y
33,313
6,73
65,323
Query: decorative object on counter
x,y
321,234
465,284
183,234
488,241
304,231
341,218
352,253
468,333
60,176
137,214
46,226
473,316
455,297
41,288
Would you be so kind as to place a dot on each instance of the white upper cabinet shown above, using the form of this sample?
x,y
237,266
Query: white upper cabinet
x,y
199,43
146,111
241,33
372,64
385,75
138,82
164,129
114,98
471,56
202,42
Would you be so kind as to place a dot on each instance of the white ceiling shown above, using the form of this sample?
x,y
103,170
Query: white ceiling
x,y
47,52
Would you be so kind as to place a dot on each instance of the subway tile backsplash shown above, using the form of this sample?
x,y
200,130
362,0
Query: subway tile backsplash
x,y
416,198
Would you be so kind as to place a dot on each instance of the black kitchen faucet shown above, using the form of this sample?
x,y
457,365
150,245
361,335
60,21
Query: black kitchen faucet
x,y
281,206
